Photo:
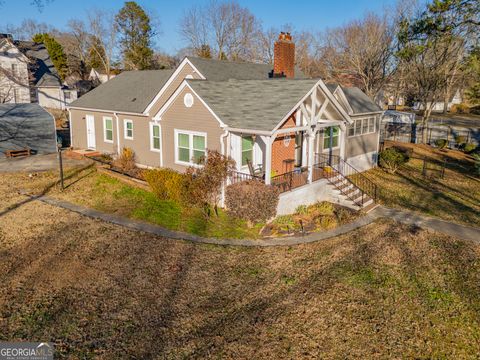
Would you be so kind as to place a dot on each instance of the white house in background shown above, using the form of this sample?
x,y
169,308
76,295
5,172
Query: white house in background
x,y
99,75
28,75
439,105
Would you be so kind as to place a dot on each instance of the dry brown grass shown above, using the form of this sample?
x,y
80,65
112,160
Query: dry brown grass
x,y
456,197
98,290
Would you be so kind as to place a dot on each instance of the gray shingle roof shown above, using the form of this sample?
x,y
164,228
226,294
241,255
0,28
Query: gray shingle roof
x,y
26,125
359,101
252,104
44,72
218,70
131,91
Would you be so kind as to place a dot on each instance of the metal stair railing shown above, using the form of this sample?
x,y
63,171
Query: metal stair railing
x,y
347,175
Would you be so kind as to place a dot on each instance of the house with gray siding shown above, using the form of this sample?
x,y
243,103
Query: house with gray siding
x,y
27,75
299,134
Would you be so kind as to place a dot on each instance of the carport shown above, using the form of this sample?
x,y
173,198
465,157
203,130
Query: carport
x,y
27,126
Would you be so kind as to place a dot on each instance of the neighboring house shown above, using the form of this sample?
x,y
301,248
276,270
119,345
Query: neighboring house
x,y
100,76
28,75
275,119
27,126
455,99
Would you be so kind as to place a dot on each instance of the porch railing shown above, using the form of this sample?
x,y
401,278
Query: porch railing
x,y
290,180
236,177
332,165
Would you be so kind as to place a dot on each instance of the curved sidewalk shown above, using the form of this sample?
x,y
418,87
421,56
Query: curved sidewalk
x,y
464,232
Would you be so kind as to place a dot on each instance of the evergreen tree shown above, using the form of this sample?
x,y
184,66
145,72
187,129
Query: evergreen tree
x,y
135,31
56,53
96,54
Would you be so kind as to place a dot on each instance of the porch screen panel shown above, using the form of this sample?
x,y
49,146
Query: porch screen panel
x,y
247,150
326,137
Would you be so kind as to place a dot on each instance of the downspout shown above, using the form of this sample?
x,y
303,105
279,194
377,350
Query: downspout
x,y
118,133
161,142
224,152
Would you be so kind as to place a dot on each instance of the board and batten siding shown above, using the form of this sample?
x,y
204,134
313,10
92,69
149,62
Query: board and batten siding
x,y
196,118
362,144
187,70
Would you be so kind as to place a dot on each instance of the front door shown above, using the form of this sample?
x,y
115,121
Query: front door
x,y
90,131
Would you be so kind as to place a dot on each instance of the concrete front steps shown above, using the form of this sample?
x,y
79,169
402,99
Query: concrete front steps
x,y
350,194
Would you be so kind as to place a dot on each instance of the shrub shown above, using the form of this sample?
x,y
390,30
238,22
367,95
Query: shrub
x,y
477,163
391,159
469,147
301,210
166,184
125,160
204,184
441,143
460,109
252,201
460,140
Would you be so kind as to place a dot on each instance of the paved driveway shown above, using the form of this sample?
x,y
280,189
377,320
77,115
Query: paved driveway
x,y
36,163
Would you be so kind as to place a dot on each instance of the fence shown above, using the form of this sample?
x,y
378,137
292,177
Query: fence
x,y
412,133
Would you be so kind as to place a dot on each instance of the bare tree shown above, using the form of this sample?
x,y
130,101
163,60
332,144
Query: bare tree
x,y
227,29
103,38
362,50
195,30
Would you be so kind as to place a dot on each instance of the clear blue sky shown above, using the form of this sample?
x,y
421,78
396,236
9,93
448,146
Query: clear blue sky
x,y
302,14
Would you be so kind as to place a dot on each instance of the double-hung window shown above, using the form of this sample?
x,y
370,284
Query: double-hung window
x,y
190,146
128,127
154,137
335,131
107,129
247,150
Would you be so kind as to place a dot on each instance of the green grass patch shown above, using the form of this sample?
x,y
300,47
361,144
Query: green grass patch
x,y
111,195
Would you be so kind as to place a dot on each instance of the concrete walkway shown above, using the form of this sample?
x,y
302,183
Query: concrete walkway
x,y
445,227
37,163
405,217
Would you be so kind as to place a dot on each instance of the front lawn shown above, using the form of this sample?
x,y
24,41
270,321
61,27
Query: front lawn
x,y
105,193
100,291
456,197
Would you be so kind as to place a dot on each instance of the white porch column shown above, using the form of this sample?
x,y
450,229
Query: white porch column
x,y
311,142
342,139
268,160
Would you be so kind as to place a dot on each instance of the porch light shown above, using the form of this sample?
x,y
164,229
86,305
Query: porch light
x,y
286,140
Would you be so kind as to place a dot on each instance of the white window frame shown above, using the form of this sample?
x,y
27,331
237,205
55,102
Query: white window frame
x,y
190,134
105,118
152,124
361,126
125,130
338,142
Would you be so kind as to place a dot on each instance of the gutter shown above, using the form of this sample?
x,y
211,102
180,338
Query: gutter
x,y
107,111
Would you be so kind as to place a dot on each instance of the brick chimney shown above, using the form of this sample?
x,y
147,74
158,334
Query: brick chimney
x,y
284,56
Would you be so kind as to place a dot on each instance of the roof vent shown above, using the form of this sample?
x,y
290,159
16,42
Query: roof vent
x,y
134,99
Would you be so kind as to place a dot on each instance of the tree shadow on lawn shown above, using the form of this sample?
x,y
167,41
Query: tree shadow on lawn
x,y
125,293
468,211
